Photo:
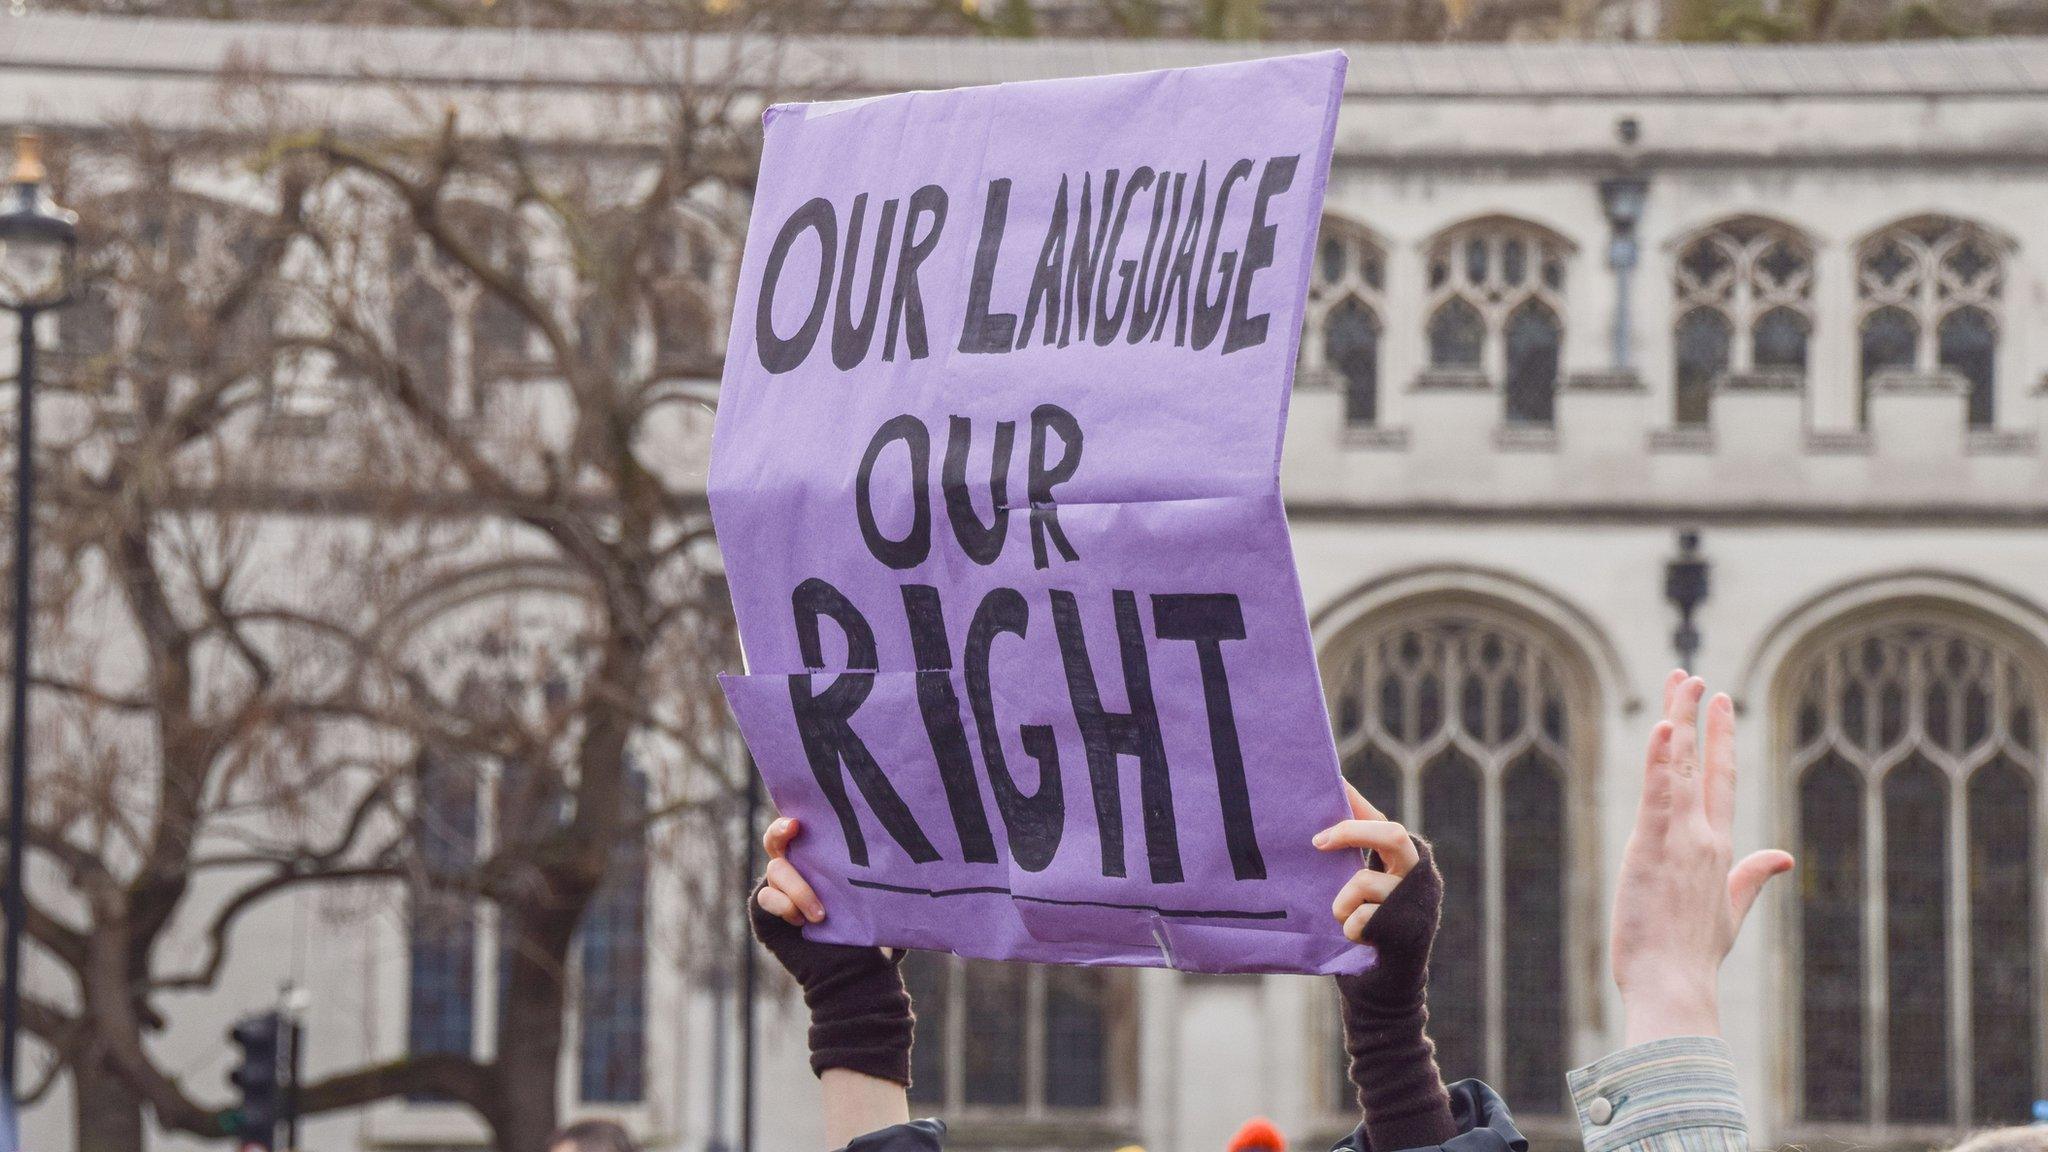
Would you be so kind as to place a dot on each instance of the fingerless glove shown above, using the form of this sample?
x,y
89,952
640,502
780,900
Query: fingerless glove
x,y
1386,1018
860,1011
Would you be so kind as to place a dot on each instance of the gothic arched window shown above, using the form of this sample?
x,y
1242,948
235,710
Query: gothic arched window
x,y
1744,296
684,283
1460,720
449,329
183,287
1496,309
1910,735
1928,304
1345,302
1020,1039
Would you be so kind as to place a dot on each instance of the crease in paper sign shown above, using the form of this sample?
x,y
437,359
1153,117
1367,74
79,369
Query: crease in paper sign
x,y
1180,576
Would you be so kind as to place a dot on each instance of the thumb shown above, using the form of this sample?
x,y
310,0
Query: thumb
x,y
1746,880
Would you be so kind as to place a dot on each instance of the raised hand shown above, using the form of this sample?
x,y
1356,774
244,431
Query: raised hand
x,y
1681,898
1394,909
1370,887
860,1011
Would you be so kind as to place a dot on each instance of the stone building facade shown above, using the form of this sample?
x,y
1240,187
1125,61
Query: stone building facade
x,y
1815,341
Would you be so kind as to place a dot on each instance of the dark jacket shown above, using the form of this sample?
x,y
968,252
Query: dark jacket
x,y
1483,1126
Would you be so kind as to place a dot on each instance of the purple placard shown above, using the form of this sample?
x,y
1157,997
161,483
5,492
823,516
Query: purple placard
x,y
996,477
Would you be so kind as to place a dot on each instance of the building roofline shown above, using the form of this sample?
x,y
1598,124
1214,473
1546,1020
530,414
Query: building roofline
x,y
533,61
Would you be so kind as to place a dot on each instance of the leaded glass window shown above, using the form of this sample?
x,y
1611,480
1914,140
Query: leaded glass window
x,y
1744,296
1496,307
2004,984
1704,337
1017,1039
441,919
611,1057
1535,339
686,281
186,288
1929,297
452,333
1916,764
1345,302
1457,336
1968,348
1459,719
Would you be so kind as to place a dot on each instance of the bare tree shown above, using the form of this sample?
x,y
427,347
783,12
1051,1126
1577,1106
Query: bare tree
x,y
384,486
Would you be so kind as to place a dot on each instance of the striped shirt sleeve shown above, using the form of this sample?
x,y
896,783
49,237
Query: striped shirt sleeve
x,y
1674,1095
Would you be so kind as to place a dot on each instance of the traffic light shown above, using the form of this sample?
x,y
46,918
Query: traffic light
x,y
256,1077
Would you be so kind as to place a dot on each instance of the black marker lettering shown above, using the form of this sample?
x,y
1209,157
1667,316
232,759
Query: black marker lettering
x,y
906,303
1209,313
1107,322
823,724
1109,735
986,331
1032,824
1208,621
850,338
981,542
910,551
777,354
1045,279
1045,515
1246,331
940,706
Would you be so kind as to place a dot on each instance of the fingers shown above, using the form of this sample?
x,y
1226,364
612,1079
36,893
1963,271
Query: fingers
x,y
1654,810
1747,879
777,905
1671,683
1366,887
1361,808
783,876
1720,763
1354,924
778,836
1685,731
1385,837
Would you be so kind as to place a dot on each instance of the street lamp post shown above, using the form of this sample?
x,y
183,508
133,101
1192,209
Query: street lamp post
x,y
1685,586
38,254
1621,200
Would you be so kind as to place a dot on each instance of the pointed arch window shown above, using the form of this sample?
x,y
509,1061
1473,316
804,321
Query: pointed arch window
x,y
451,330
1345,302
1460,719
1744,298
684,283
1495,311
1918,971
186,289
1929,295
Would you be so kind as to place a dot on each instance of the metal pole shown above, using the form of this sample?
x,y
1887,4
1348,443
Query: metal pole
x,y
17,761
1622,320
747,968
294,1064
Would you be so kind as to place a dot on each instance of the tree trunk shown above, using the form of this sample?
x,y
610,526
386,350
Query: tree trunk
x,y
108,1113
531,1026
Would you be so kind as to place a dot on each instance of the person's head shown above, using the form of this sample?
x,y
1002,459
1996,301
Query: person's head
x,y
1258,1135
2031,1139
592,1136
